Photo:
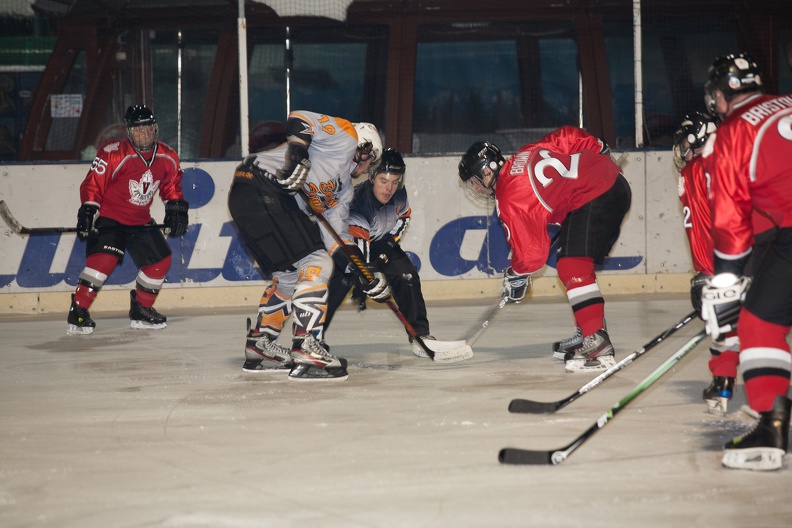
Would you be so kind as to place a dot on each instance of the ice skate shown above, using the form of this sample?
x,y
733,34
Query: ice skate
x,y
560,348
313,362
80,322
142,318
718,394
416,349
763,448
595,353
264,354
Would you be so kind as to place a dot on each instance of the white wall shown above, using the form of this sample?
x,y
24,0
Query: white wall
x,y
651,255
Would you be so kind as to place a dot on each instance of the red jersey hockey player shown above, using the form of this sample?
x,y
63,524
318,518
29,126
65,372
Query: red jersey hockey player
x,y
566,178
694,190
116,198
750,169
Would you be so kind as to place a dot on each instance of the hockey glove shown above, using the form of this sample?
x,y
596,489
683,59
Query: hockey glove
x,y
86,217
515,286
721,300
377,289
176,217
696,285
294,173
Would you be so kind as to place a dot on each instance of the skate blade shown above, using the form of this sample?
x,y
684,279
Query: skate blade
x,y
448,351
142,325
302,372
79,330
260,367
718,406
576,366
754,458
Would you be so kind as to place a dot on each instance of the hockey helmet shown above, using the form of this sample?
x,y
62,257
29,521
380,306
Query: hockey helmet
x,y
691,136
392,163
141,116
731,75
369,144
481,159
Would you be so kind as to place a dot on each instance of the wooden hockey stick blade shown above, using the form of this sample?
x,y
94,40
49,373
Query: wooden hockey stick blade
x,y
9,219
449,351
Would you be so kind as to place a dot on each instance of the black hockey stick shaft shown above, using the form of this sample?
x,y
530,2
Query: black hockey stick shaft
x,y
490,316
511,455
354,257
538,407
18,228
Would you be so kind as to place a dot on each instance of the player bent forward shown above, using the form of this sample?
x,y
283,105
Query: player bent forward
x,y
320,157
566,178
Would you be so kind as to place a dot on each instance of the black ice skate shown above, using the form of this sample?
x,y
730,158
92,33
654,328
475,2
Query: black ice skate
x,y
718,394
560,348
80,322
264,354
142,318
313,362
763,448
593,354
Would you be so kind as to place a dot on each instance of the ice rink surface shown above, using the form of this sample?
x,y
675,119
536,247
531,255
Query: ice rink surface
x,y
131,428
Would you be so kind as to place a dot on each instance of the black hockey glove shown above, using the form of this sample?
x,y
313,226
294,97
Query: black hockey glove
x,y
294,173
86,217
696,285
377,289
515,286
176,217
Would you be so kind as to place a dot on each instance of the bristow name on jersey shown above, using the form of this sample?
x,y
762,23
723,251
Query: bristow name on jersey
x,y
761,110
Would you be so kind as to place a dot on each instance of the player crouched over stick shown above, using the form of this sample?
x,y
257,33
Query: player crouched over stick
x,y
379,215
116,198
566,178
321,156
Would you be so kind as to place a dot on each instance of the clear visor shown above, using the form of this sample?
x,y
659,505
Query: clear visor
x,y
476,188
681,155
710,103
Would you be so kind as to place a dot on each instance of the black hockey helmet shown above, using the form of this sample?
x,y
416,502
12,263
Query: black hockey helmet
x,y
693,132
731,74
139,116
481,159
392,163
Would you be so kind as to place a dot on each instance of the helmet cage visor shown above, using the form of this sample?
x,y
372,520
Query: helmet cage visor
x,y
143,136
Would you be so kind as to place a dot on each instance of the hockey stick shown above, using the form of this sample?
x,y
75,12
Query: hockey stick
x,y
490,316
19,229
511,455
536,407
456,351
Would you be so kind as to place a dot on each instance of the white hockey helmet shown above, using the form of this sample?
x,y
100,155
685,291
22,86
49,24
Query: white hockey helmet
x,y
369,144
